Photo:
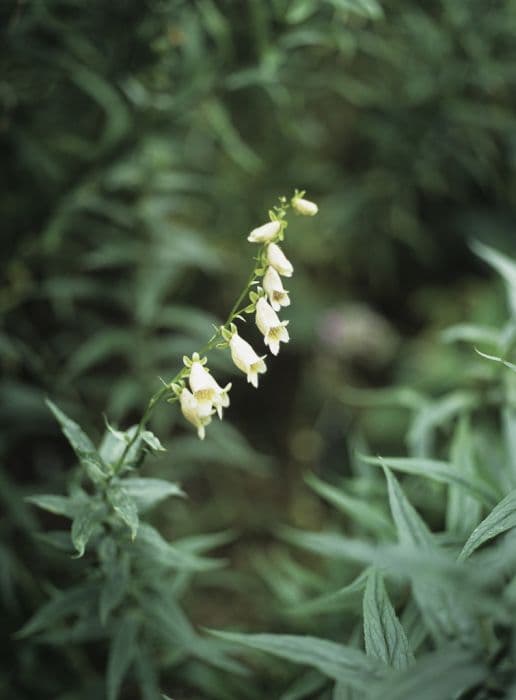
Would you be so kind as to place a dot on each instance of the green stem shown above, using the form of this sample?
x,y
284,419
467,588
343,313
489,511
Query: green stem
x,y
156,398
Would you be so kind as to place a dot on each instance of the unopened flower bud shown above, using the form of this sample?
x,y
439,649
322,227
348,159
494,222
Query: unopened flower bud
x,y
265,233
304,206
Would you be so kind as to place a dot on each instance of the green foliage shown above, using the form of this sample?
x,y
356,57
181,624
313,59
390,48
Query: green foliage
x,y
140,141
444,632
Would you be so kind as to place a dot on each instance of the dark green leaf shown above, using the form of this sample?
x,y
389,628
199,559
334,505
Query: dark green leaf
x,y
72,601
122,650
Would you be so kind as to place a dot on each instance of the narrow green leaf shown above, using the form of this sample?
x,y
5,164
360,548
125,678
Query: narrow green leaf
x,y
81,443
154,548
503,265
152,441
357,509
384,636
331,659
462,511
342,599
60,505
147,493
499,520
114,588
122,651
125,507
62,605
443,674
443,611
441,472
87,520
495,358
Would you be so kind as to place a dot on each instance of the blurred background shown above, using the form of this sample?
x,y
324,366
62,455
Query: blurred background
x,y
141,141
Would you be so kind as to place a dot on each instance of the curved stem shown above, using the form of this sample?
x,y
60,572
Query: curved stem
x,y
156,398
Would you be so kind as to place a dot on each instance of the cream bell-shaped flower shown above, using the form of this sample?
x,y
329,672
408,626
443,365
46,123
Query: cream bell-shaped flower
x,y
246,359
277,259
274,330
265,233
206,391
190,409
273,286
304,206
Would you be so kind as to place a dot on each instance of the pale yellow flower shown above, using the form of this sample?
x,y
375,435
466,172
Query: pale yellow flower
x,y
273,286
265,233
274,331
190,409
206,391
278,260
246,359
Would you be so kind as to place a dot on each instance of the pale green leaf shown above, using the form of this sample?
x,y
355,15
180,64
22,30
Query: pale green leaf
x,y
462,511
152,441
333,660
125,507
80,442
60,505
443,674
369,516
147,492
499,520
384,636
504,265
86,522
441,472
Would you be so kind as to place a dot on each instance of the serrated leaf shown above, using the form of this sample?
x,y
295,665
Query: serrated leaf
x,y
60,505
87,520
80,442
147,492
357,509
384,636
152,441
125,507
443,612
331,659
122,650
499,520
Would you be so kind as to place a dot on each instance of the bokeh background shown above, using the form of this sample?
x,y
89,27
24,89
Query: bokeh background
x,y
141,141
